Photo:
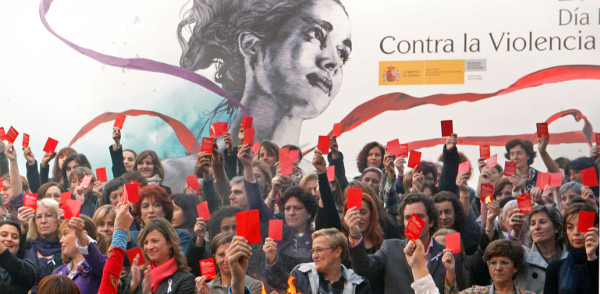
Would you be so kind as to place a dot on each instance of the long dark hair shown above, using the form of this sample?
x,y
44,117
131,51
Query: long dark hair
x,y
187,203
215,28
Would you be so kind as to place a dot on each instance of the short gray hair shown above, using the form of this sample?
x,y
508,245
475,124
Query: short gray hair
x,y
508,206
576,187
236,180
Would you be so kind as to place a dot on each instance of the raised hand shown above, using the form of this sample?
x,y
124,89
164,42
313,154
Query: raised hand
x,y
351,219
28,155
451,142
319,162
270,249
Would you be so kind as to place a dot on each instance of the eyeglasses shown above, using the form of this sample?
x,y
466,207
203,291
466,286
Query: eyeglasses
x,y
319,250
502,263
47,216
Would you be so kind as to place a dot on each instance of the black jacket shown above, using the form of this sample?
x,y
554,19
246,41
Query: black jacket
x,y
16,275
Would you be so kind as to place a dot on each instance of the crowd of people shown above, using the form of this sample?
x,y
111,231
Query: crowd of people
x,y
327,246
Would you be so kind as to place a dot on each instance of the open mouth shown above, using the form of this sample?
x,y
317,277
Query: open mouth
x,y
320,81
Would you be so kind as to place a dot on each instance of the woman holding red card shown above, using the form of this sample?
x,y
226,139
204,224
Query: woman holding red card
x,y
42,246
578,273
87,195
221,282
166,262
83,252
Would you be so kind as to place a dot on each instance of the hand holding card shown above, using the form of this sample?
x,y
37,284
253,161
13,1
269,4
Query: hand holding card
x,y
324,144
524,203
414,159
133,252
192,182
510,168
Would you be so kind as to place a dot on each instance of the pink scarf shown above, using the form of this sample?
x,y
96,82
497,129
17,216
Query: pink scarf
x,y
161,272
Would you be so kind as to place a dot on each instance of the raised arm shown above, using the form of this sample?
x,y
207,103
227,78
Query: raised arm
x,y
450,168
329,218
33,175
116,154
15,177
221,179
336,158
548,161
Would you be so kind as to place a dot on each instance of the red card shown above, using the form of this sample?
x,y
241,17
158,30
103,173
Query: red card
x,y
63,198
598,139
294,155
30,200
337,129
331,173
492,161
133,252
72,208
218,129
1,186
589,177
25,140
453,242
393,147
484,151
524,203
124,196
12,135
486,193
133,192
324,144
248,225
276,229
543,180
255,147
50,145
542,130
354,198
136,183
2,134
586,221
284,154
414,227
207,145
249,136
192,182
556,179
447,128
203,211
207,268
87,180
246,122
403,150
464,167
510,168
287,167
119,121
414,159
101,175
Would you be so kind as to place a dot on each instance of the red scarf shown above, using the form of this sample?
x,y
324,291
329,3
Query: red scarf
x,y
161,272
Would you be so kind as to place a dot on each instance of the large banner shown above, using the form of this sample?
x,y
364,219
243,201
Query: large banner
x,y
384,69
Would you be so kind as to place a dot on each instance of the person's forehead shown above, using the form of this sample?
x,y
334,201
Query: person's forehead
x,y
8,228
222,248
371,175
416,208
445,205
293,201
320,242
237,186
500,257
328,14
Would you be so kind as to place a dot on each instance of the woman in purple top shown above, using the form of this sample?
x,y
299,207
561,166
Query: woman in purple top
x,y
84,262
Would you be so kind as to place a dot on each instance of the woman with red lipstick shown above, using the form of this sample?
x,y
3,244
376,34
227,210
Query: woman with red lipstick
x,y
167,270
578,273
17,275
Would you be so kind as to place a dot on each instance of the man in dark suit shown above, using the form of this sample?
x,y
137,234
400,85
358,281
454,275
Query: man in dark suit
x,y
389,262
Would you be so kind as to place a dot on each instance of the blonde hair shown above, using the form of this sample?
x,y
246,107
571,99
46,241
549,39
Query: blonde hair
x,y
102,212
307,178
90,228
336,239
50,204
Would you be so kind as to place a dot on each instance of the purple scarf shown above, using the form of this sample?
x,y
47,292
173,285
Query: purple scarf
x,y
46,247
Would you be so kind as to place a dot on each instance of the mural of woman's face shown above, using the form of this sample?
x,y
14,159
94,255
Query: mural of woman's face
x,y
303,64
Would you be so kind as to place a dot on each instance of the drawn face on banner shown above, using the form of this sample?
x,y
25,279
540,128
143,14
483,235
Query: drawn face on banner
x,y
303,64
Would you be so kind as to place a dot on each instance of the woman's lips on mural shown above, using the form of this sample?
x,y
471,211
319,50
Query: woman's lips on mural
x,y
320,81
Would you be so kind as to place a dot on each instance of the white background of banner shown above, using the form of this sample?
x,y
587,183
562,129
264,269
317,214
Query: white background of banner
x,y
48,89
